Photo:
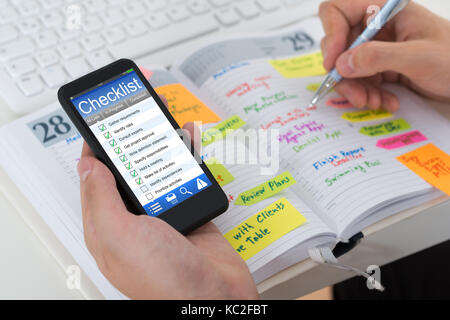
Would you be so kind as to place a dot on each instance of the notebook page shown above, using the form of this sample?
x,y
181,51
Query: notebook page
x,y
340,171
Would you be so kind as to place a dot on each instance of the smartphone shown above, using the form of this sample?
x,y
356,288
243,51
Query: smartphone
x,y
129,129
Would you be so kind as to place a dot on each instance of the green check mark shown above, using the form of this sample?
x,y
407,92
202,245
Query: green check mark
x,y
123,158
128,166
118,150
134,173
113,143
139,181
102,127
107,135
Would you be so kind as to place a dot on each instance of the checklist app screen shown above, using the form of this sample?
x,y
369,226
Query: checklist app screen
x,y
141,143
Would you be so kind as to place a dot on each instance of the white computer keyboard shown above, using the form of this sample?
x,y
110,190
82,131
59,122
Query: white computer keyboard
x,y
41,48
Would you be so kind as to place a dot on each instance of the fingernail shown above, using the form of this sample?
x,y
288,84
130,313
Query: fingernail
x,y
84,168
345,63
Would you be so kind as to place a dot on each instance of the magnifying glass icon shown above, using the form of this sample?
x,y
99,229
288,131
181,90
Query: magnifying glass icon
x,y
184,191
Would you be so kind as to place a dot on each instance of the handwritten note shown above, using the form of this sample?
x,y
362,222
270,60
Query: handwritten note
x,y
431,164
222,175
221,130
265,227
385,128
265,190
401,140
309,65
184,106
366,115
339,103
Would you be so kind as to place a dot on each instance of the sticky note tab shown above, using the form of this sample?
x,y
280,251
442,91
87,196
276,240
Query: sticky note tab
x,y
431,164
184,106
385,128
339,103
401,140
221,130
222,175
308,65
367,115
147,73
265,190
313,87
264,228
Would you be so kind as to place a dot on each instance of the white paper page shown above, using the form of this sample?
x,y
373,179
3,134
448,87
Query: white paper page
x,y
368,180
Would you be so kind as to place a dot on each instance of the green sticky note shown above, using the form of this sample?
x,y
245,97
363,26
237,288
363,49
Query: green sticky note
x,y
221,130
265,190
366,115
385,128
222,175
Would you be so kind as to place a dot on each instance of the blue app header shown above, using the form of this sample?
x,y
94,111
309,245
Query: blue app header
x,y
109,94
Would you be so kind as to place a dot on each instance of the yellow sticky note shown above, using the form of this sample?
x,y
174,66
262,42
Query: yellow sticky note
x,y
266,190
184,106
264,227
222,175
431,164
366,115
308,65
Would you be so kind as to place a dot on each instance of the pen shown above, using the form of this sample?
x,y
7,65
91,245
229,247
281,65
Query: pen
x,y
389,10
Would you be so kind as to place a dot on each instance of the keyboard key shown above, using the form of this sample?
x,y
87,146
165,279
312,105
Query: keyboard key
x,y
113,16
28,26
114,35
177,14
158,21
136,27
99,59
66,34
95,5
219,3
155,40
91,23
47,58
28,8
46,39
198,6
52,18
135,9
51,4
156,5
30,85
8,33
92,42
76,67
8,14
54,76
268,5
20,66
227,17
16,49
69,50
247,10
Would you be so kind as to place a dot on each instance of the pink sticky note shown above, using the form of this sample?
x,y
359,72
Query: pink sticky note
x,y
401,140
339,103
147,73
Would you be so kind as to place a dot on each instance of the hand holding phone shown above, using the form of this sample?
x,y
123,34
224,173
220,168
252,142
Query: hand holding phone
x,y
128,128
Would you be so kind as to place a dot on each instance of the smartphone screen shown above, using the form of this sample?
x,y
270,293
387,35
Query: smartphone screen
x,y
141,142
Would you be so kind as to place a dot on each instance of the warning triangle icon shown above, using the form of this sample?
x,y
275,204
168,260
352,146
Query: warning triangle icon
x,y
201,184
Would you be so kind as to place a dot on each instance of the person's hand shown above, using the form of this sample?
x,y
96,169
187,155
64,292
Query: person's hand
x,y
145,258
412,49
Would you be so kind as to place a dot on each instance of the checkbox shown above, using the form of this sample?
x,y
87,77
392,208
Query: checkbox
x,y
144,189
149,196
123,158
139,181
113,143
128,166
118,150
134,173
107,135
102,127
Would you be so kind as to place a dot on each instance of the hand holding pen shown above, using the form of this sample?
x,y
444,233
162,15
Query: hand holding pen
x,y
411,48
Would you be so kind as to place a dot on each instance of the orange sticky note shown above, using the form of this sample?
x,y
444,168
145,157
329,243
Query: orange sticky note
x,y
184,106
431,164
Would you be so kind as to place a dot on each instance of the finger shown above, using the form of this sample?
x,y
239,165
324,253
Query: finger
x,y
195,134
354,91
87,151
373,96
375,57
389,101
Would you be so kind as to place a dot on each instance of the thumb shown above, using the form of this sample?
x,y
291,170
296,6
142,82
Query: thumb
x,y
375,57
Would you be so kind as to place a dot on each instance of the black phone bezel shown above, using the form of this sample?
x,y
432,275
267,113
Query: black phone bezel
x,y
185,217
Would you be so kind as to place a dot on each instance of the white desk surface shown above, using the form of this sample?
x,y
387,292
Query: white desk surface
x,y
28,271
